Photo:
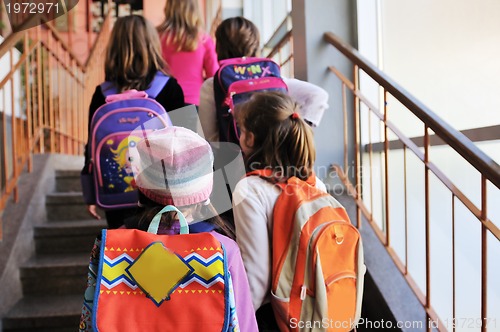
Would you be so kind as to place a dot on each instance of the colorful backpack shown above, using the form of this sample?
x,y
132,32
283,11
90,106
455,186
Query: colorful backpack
x,y
141,281
116,126
235,81
317,260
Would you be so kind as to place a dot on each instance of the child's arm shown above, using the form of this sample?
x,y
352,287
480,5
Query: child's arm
x,y
207,111
242,295
313,100
210,63
252,210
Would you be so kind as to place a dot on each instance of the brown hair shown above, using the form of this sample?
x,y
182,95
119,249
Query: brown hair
x,y
150,208
182,24
283,142
236,37
133,56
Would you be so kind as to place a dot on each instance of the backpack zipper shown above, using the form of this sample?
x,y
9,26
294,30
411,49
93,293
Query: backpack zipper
x,y
341,275
304,290
129,109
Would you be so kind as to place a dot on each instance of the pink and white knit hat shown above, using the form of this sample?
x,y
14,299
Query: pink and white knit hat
x,y
174,166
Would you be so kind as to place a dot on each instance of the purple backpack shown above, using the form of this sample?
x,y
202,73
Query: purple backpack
x,y
235,81
112,132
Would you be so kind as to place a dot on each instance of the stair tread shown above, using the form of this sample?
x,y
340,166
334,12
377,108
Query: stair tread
x,y
46,306
73,223
65,194
71,173
57,260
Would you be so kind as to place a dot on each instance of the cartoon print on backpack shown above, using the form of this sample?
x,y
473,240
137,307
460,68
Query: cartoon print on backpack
x,y
117,175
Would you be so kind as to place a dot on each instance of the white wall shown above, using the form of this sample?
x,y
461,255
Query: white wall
x,y
446,54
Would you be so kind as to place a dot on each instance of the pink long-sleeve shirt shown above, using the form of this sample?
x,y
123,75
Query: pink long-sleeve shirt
x,y
191,68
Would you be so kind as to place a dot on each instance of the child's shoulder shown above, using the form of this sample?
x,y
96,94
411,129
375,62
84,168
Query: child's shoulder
x,y
205,38
228,243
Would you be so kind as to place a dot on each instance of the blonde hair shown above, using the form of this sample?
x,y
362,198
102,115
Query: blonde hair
x,y
133,56
182,25
121,152
283,142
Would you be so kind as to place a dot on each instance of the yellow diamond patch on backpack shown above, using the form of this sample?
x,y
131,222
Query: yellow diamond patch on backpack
x,y
158,272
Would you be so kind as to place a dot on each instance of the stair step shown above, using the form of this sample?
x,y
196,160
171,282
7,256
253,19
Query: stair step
x,y
67,236
68,181
55,274
54,313
66,206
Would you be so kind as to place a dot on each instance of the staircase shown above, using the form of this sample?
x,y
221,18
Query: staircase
x,y
54,279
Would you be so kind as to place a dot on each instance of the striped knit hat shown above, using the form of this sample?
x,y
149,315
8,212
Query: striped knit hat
x,y
174,166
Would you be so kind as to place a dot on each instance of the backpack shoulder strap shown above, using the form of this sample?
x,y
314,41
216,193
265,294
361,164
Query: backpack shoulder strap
x,y
157,84
267,174
108,88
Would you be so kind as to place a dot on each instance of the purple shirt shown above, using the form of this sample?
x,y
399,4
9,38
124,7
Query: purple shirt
x,y
243,298
191,68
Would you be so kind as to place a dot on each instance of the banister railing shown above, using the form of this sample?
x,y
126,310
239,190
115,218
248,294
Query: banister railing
x,y
217,19
279,47
44,93
380,209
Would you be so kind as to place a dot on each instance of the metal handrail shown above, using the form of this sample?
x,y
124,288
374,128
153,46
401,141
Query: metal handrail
x,y
458,141
216,20
281,37
49,90
434,129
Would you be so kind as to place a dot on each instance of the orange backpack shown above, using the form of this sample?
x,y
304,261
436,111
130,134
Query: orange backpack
x,y
150,282
317,260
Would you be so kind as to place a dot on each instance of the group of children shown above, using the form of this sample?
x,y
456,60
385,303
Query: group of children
x,y
275,133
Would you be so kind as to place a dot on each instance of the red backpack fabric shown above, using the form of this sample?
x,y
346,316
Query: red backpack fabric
x,y
317,260
141,281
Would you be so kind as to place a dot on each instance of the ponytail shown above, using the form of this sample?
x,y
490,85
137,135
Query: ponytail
x,y
283,142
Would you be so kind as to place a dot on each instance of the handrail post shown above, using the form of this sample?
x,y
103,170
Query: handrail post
x,y
346,143
50,93
484,256
27,90
427,228
39,90
357,138
386,179
13,124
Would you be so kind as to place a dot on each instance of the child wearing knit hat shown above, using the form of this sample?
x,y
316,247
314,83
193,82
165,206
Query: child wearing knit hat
x,y
174,167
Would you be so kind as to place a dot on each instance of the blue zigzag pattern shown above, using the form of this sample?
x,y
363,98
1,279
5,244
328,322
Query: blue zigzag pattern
x,y
189,258
205,262
122,278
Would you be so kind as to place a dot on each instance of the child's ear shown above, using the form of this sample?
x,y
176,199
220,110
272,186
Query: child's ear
x,y
249,139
